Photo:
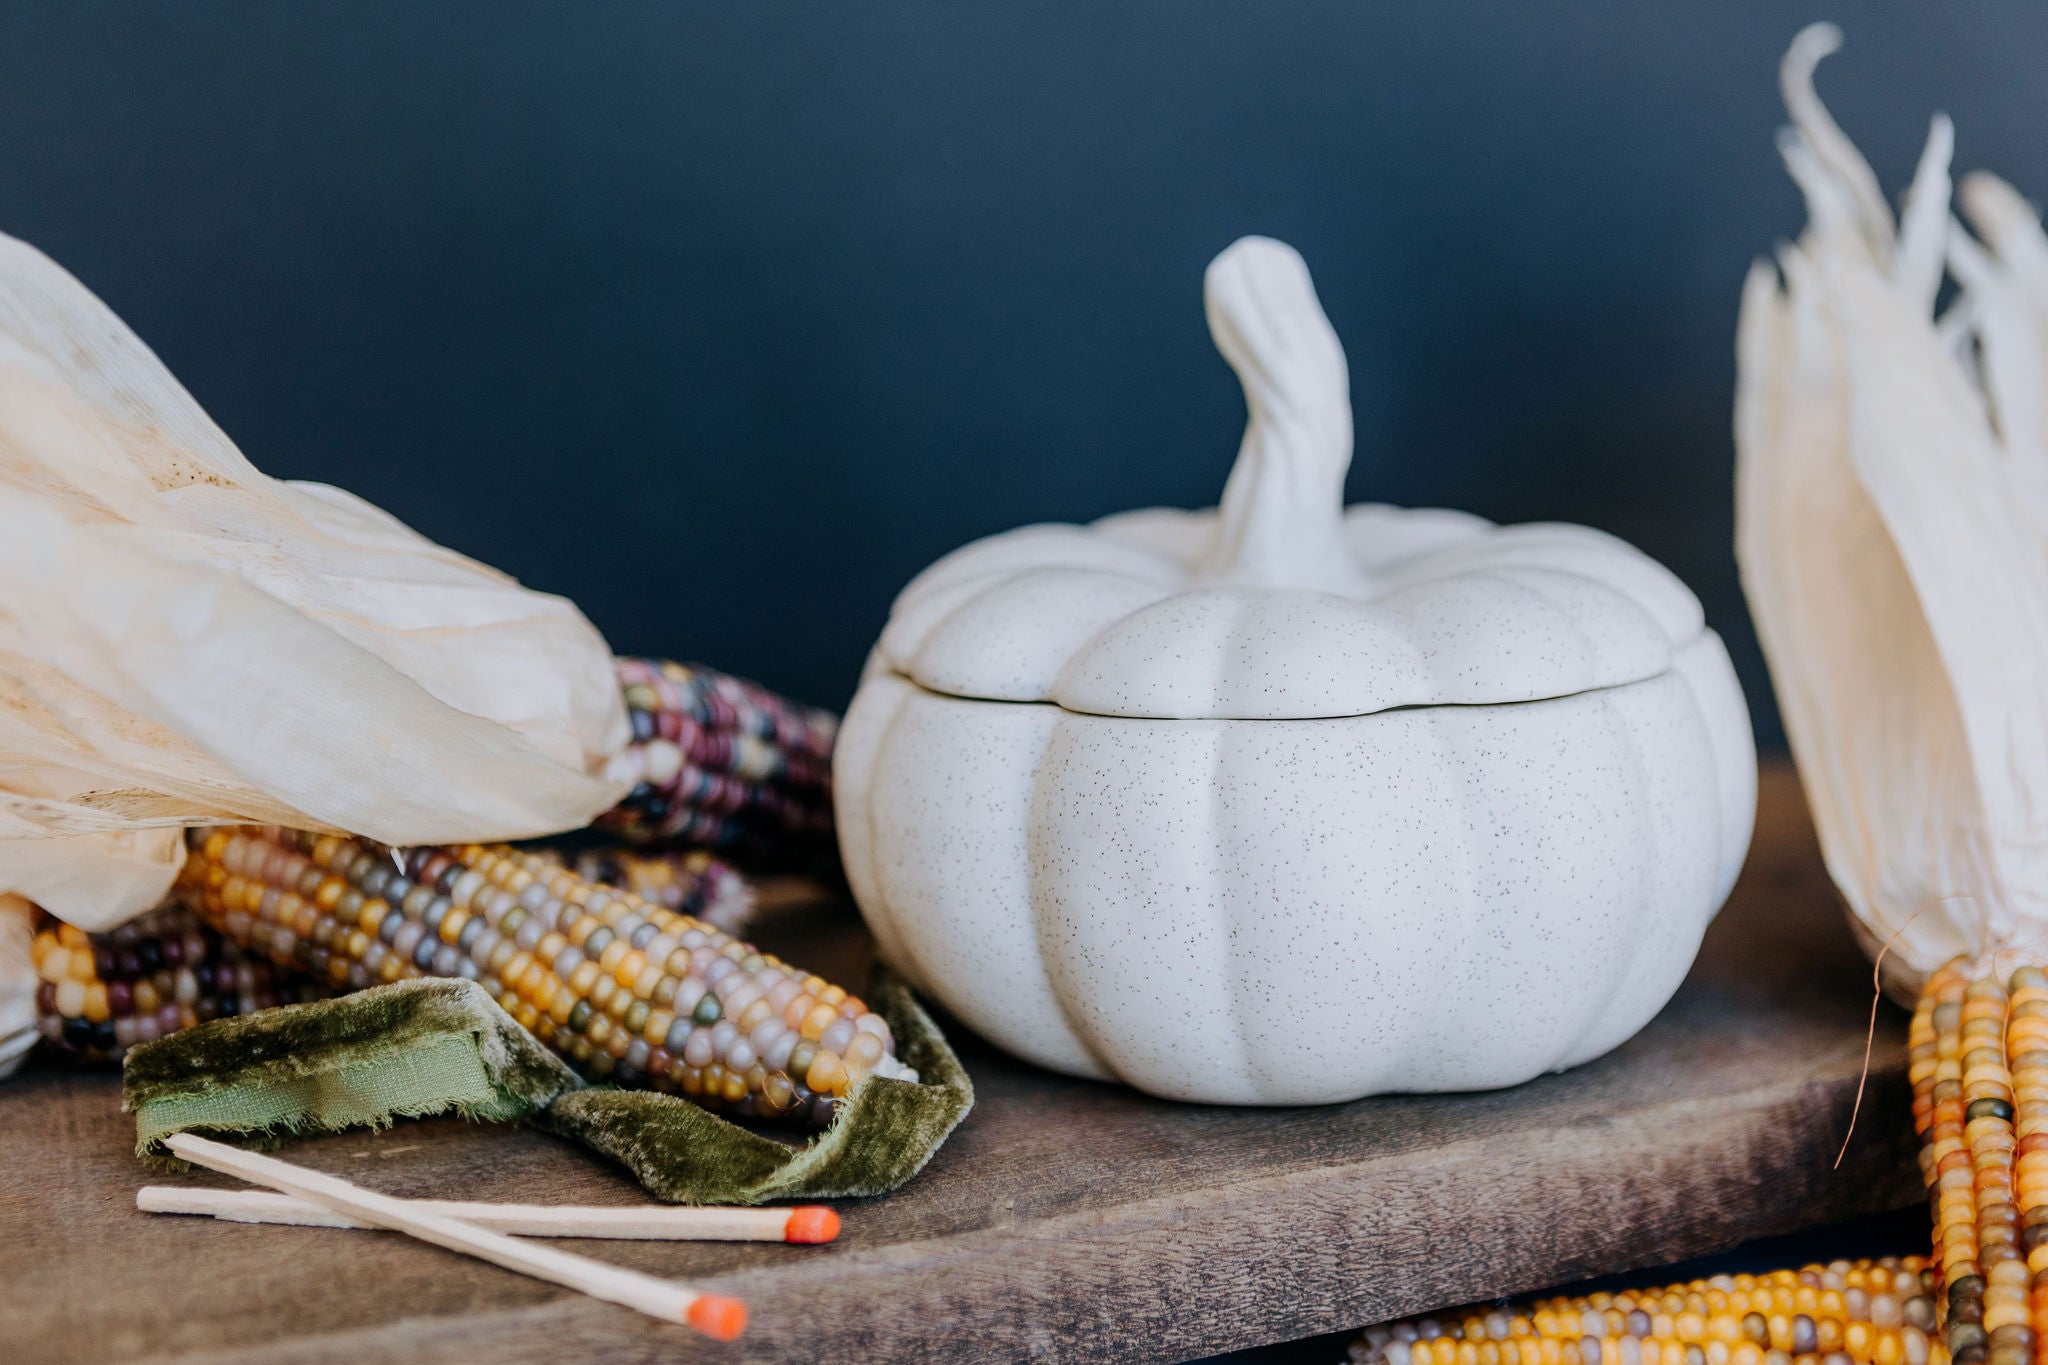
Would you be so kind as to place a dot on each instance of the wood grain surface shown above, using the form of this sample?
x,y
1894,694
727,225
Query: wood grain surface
x,y
1066,1220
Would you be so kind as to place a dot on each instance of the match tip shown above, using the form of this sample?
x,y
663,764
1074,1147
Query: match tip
x,y
811,1223
718,1316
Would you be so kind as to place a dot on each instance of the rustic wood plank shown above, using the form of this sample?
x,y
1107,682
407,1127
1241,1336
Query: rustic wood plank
x,y
1065,1220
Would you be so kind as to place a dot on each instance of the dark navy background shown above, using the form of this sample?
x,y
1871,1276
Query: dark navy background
x,y
725,319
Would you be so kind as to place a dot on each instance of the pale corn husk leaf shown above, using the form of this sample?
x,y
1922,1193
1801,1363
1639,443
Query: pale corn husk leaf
x,y
185,640
1892,546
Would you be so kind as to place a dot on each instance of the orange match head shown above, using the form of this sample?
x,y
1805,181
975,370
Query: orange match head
x,y
718,1316
811,1223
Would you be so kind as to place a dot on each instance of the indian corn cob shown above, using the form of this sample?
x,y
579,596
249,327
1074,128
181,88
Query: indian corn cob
x,y
689,881
1978,1063
714,759
97,995
1979,1067
719,761
1847,1313
625,990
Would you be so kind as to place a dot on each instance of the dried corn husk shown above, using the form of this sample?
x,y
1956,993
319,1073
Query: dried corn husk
x,y
17,982
1893,534
184,640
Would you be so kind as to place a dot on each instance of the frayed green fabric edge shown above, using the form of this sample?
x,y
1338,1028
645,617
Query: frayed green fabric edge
x,y
409,1050
424,1047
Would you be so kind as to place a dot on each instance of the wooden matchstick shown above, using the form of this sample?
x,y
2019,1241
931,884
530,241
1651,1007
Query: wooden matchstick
x,y
716,1315
808,1223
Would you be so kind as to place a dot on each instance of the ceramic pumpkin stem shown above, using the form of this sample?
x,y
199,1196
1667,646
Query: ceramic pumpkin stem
x,y
1282,512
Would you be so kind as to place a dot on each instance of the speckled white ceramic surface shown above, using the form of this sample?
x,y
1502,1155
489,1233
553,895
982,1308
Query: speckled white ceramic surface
x,y
1284,803
1293,912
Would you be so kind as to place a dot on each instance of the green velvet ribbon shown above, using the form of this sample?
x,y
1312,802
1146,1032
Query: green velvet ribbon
x,y
432,1046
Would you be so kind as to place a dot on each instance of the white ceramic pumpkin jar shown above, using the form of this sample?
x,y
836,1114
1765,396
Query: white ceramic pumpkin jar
x,y
1285,803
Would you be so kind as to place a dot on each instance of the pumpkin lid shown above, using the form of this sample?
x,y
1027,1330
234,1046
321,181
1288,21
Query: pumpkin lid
x,y
1282,603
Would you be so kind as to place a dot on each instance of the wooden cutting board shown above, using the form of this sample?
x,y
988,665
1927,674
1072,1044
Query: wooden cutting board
x,y
1065,1220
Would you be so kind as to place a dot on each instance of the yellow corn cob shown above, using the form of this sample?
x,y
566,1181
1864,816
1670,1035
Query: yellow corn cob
x,y
1978,1062
1979,1067
624,989
1861,1313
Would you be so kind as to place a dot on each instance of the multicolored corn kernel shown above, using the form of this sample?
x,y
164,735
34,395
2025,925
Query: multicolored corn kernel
x,y
625,990
97,995
1847,1313
719,761
690,882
